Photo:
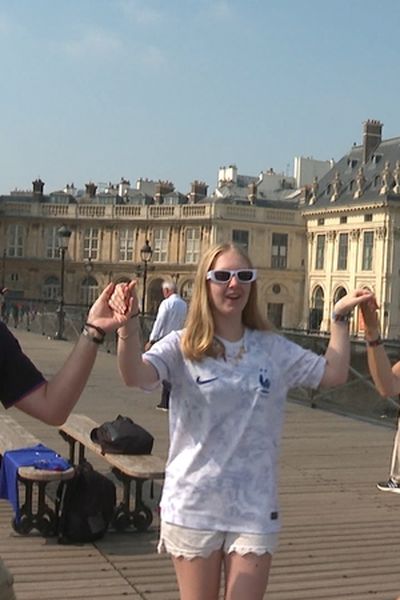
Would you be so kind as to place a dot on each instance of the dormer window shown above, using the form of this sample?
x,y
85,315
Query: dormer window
x,y
351,185
376,158
377,181
352,163
329,190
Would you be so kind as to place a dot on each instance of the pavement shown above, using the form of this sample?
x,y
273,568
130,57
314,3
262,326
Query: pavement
x,y
338,540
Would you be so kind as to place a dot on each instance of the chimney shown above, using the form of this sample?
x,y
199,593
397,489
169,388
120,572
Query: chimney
x,y
38,186
252,192
91,189
198,191
372,137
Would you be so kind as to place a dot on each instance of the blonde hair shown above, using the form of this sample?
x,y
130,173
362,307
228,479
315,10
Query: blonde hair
x,y
198,336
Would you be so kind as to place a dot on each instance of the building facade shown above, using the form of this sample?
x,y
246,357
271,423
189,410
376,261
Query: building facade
x,y
109,227
353,229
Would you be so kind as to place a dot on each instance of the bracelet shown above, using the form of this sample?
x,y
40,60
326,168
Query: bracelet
x,y
95,340
98,329
340,318
374,343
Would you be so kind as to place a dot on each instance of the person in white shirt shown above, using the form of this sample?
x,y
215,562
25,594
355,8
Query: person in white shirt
x,y
171,316
230,375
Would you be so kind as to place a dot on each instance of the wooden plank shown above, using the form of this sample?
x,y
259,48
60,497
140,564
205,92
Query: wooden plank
x,y
141,466
13,437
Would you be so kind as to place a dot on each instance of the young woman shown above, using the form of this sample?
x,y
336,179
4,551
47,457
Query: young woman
x,y
230,375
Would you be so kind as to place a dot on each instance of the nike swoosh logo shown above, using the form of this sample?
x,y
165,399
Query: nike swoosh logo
x,y
202,381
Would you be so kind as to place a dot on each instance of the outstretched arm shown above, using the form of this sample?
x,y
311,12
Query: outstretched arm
x,y
133,369
54,400
338,352
385,377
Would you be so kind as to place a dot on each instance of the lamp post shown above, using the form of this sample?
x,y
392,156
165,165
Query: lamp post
x,y
145,254
88,269
63,238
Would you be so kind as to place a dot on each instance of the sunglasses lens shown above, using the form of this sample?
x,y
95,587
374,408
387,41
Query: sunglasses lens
x,y
245,276
222,276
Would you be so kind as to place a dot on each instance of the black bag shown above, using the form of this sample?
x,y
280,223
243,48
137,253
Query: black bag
x,y
122,436
84,505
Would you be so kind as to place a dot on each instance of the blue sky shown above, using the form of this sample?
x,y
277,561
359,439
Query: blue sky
x,y
172,89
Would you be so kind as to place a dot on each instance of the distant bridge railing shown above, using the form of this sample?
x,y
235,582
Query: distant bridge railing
x,y
357,397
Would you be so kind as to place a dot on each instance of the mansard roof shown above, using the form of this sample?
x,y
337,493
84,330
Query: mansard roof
x,y
351,181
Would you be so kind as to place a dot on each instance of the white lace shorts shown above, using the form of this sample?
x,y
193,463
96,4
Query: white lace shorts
x,y
190,543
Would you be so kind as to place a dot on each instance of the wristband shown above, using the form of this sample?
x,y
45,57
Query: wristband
x,y
374,343
98,329
95,340
340,318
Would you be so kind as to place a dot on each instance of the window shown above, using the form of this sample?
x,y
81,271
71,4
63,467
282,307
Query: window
x,y
368,246
51,288
275,312
279,250
160,245
15,240
192,245
91,243
187,290
89,291
343,220
342,251
241,238
320,254
321,221
51,242
368,218
126,244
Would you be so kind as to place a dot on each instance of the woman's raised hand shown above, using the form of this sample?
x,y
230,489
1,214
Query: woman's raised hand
x,y
357,297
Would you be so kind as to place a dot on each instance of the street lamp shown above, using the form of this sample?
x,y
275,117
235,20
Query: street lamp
x,y
63,238
145,254
88,265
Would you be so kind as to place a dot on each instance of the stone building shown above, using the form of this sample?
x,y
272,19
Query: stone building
x,y
111,223
353,228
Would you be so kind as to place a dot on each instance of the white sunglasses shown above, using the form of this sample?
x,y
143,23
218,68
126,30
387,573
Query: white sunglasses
x,y
225,275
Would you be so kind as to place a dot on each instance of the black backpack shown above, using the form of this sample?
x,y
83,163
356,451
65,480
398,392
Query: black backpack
x,y
122,436
84,505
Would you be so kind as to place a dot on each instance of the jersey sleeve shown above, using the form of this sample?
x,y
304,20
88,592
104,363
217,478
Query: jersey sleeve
x,y
166,356
301,367
18,375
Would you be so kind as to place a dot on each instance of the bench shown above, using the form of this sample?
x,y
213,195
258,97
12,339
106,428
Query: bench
x,y
13,437
127,468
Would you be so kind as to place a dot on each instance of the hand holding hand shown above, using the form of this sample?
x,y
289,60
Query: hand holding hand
x,y
103,316
124,300
357,297
370,315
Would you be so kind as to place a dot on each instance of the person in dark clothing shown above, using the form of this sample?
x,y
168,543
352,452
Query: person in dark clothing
x,y
23,385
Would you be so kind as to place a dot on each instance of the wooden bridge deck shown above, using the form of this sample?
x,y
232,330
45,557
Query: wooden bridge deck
x,y
339,539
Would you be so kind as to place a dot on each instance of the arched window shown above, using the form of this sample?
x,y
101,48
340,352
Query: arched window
x,y
340,292
89,290
317,308
51,288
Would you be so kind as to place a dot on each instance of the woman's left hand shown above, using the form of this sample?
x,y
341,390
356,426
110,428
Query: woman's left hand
x,y
354,298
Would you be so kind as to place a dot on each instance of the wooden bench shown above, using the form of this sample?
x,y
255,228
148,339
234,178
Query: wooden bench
x,y
127,469
13,437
